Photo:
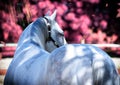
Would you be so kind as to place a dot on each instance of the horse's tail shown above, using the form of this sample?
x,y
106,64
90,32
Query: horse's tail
x,y
105,73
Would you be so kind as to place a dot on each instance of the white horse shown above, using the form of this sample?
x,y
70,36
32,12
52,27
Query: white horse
x,y
81,64
37,40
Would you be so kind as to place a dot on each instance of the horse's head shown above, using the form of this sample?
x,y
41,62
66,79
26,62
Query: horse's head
x,y
55,33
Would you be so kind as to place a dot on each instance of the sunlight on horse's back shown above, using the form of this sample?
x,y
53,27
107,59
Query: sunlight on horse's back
x,y
81,64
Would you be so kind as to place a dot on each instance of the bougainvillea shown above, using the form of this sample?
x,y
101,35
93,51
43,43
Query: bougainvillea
x,y
95,21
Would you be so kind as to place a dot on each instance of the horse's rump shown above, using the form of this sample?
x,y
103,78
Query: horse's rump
x,y
81,64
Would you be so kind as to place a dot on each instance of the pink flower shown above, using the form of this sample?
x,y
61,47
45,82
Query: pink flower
x,y
79,4
70,16
61,9
75,26
33,10
103,24
94,1
42,5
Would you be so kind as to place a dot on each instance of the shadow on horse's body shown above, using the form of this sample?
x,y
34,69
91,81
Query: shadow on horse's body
x,y
81,64
30,58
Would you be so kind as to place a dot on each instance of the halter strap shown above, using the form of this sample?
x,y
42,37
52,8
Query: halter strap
x,y
49,31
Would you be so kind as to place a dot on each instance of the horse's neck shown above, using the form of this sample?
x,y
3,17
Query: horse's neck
x,y
33,36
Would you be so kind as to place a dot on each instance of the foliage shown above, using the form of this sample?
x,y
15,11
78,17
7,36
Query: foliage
x,y
96,21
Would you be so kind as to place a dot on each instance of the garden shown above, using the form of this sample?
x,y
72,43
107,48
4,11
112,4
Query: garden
x,y
83,21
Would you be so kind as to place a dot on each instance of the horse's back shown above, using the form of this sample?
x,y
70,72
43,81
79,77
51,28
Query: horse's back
x,y
81,64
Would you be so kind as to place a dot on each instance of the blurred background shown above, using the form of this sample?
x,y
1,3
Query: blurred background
x,y
94,21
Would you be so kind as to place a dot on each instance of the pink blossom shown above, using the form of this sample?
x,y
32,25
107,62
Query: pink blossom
x,y
79,10
70,16
79,4
85,19
61,22
74,26
61,9
103,24
94,1
114,37
6,29
33,10
42,5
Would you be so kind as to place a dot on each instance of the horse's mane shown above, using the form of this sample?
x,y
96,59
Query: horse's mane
x,y
32,37
32,33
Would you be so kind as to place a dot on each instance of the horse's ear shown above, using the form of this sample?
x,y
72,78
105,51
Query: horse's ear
x,y
48,13
53,15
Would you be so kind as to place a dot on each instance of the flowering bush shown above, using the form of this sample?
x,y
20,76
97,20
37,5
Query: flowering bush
x,y
95,21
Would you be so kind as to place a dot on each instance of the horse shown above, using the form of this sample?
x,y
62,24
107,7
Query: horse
x,y
81,64
35,44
